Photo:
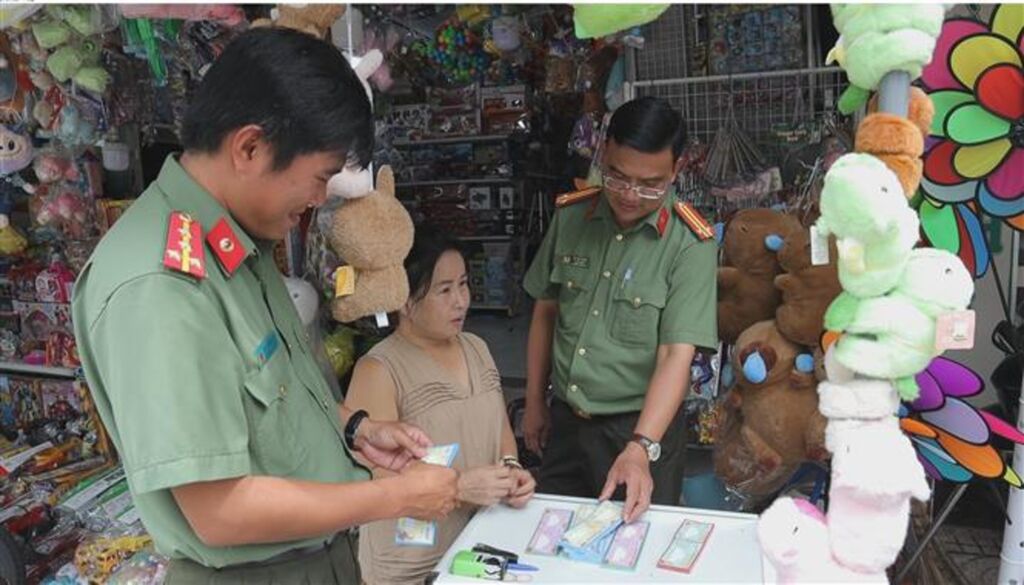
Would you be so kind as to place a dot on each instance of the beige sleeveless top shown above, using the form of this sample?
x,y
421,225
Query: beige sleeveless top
x,y
434,400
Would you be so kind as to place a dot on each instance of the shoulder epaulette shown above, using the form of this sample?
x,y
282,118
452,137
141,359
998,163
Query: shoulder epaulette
x,y
695,221
574,197
184,249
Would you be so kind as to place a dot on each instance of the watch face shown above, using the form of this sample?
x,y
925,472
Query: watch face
x,y
654,451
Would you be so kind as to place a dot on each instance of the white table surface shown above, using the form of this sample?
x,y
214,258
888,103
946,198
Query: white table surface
x,y
731,555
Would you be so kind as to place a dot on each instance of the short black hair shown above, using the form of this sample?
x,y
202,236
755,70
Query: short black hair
x,y
648,124
299,89
428,245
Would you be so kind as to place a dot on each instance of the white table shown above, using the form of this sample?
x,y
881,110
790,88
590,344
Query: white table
x,y
732,553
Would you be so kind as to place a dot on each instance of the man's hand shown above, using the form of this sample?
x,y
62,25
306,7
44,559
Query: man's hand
x,y
536,424
523,489
632,468
391,445
486,486
429,492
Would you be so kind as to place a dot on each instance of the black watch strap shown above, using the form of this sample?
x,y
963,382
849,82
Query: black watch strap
x,y
352,426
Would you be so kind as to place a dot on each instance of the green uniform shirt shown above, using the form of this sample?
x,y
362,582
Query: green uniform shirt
x,y
620,295
201,379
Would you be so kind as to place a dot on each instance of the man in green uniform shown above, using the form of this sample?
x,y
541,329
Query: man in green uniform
x,y
625,289
238,458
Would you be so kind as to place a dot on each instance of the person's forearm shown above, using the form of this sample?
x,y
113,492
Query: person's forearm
x,y
262,509
508,440
666,390
538,349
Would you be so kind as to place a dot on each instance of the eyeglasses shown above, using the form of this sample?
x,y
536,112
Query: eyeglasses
x,y
620,186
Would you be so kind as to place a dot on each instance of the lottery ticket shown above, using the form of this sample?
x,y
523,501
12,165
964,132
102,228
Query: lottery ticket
x,y
553,524
686,546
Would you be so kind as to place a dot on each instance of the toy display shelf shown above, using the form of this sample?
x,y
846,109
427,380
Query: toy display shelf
x,y
451,140
479,181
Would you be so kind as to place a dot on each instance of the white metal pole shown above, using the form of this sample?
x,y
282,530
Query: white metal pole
x,y
1011,559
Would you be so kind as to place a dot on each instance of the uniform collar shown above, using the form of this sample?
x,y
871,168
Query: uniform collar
x,y
186,195
658,220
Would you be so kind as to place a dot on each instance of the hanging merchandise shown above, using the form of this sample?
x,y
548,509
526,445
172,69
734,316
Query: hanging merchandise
x,y
745,38
770,421
875,41
735,167
976,148
954,439
599,20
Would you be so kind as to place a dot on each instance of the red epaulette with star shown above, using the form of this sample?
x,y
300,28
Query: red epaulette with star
x,y
574,197
695,221
184,250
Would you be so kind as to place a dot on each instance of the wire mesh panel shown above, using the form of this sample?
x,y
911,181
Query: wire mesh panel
x,y
664,53
762,103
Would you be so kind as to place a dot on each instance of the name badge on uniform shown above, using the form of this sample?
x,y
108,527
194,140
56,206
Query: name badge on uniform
x,y
265,350
577,261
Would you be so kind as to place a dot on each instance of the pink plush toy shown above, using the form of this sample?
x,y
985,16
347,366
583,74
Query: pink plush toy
x,y
875,472
795,538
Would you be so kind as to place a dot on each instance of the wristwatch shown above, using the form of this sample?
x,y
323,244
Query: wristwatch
x,y
352,426
653,448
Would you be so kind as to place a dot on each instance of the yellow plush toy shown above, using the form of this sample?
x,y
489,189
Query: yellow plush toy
x,y
315,19
373,234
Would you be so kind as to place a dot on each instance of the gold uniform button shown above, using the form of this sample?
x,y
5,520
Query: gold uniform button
x,y
583,351
569,284
636,302
226,245
282,390
596,312
573,388
606,274
618,237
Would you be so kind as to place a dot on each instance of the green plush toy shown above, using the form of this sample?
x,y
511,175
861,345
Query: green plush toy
x,y
76,56
862,203
893,336
878,38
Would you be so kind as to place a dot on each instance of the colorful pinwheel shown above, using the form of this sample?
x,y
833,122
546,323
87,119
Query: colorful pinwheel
x,y
956,228
952,438
976,148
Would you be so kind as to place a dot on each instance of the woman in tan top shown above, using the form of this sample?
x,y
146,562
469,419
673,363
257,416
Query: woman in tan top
x,y
432,374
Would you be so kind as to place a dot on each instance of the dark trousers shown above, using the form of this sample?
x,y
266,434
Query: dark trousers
x,y
581,451
335,564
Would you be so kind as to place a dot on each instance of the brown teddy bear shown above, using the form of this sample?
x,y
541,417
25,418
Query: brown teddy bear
x,y
898,141
315,19
807,290
746,289
771,419
373,233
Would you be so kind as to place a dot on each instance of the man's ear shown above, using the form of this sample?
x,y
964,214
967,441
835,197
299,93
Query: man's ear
x,y
249,152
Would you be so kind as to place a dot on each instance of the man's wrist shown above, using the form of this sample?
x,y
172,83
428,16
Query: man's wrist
x,y
634,449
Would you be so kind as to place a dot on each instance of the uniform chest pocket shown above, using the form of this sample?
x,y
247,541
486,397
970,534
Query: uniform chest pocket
x,y
274,411
636,313
575,283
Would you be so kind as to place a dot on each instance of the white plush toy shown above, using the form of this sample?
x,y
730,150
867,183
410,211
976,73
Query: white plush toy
x,y
351,183
795,538
875,472
875,228
893,336
305,299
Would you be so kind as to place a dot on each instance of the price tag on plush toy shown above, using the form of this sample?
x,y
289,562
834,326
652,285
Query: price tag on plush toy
x,y
819,247
344,281
955,330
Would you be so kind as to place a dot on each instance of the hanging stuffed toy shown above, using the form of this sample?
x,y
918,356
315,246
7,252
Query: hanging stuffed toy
x,y
313,19
893,336
746,290
877,39
794,536
771,421
875,228
807,289
373,234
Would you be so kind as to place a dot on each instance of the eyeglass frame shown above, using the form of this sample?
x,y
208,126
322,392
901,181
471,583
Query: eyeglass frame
x,y
629,186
